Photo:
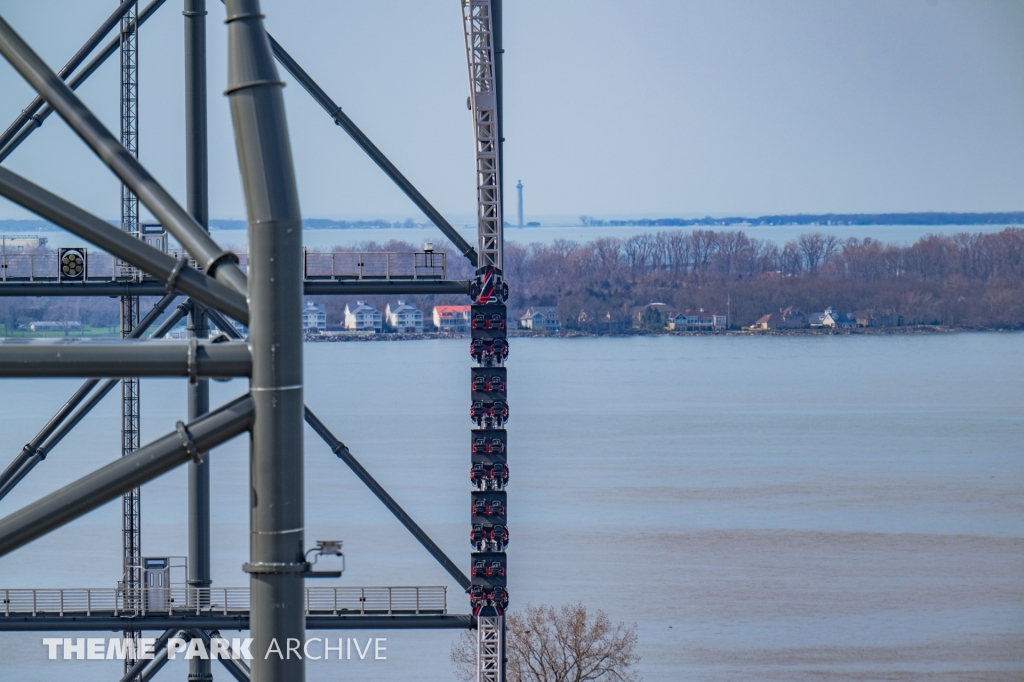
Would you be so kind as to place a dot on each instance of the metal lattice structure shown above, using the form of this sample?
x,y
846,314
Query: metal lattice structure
x,y
490,637
478,19
489,535
131,440
263,294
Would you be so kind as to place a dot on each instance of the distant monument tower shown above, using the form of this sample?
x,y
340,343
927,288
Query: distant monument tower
x,y
519,186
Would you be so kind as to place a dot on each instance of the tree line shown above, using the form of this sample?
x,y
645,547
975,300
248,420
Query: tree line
x,y
955,280
960,280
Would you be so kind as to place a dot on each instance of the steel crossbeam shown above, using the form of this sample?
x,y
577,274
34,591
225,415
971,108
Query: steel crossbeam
x,y
315,287
236,621
86,358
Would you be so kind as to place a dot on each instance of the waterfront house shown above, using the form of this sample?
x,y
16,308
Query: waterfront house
x,y
651,315
404,318
314,318
542,321
697,321
452,318
786,318
362,317
867,318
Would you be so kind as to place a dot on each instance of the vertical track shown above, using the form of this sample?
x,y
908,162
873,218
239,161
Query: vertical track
x,y
131,540
489,471
477,17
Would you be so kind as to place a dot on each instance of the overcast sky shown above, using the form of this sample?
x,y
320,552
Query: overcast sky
x,y
643,107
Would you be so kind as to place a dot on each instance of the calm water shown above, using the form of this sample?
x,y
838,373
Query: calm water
x,y
763,508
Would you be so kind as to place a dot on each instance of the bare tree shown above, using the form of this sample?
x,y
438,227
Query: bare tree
x,y
566,644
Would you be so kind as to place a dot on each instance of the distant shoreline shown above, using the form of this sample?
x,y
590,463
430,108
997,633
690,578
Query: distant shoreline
x,y
573,334
806,219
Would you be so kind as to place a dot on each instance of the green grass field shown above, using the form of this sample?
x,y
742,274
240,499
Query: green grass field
x,y
87,332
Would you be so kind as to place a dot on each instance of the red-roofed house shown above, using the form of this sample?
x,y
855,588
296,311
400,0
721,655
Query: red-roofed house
x,y
452,318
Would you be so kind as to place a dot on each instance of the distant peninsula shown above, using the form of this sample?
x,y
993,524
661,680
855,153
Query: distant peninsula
x,y
931,218
10,226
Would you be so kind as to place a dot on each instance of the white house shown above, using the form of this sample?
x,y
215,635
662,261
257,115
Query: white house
x,y
543,321
831,319
314,318
362,317
404,318
697,321
452,318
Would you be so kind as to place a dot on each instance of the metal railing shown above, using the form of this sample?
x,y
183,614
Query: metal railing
x,y
340,265
220,600
317,265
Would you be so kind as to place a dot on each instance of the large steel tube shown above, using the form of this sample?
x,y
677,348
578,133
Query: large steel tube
x,y
214,260
92,288
277,522
125,473
78,358
197,204
174,273
34,119
360,138
159,656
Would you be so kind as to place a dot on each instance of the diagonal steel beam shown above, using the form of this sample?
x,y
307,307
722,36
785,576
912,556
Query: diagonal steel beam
x,y
33,445
340,449
221,264
360,138
174,273
72,64
159,654
35,120
235,667
64,429
188,442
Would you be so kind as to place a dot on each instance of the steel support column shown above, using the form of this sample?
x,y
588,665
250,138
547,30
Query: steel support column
x,y
197,204
277,531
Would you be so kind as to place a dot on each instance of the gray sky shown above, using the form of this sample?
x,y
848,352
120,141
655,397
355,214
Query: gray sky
x,y
612,108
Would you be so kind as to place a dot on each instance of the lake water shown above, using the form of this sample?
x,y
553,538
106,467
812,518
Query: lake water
x,y
764,508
